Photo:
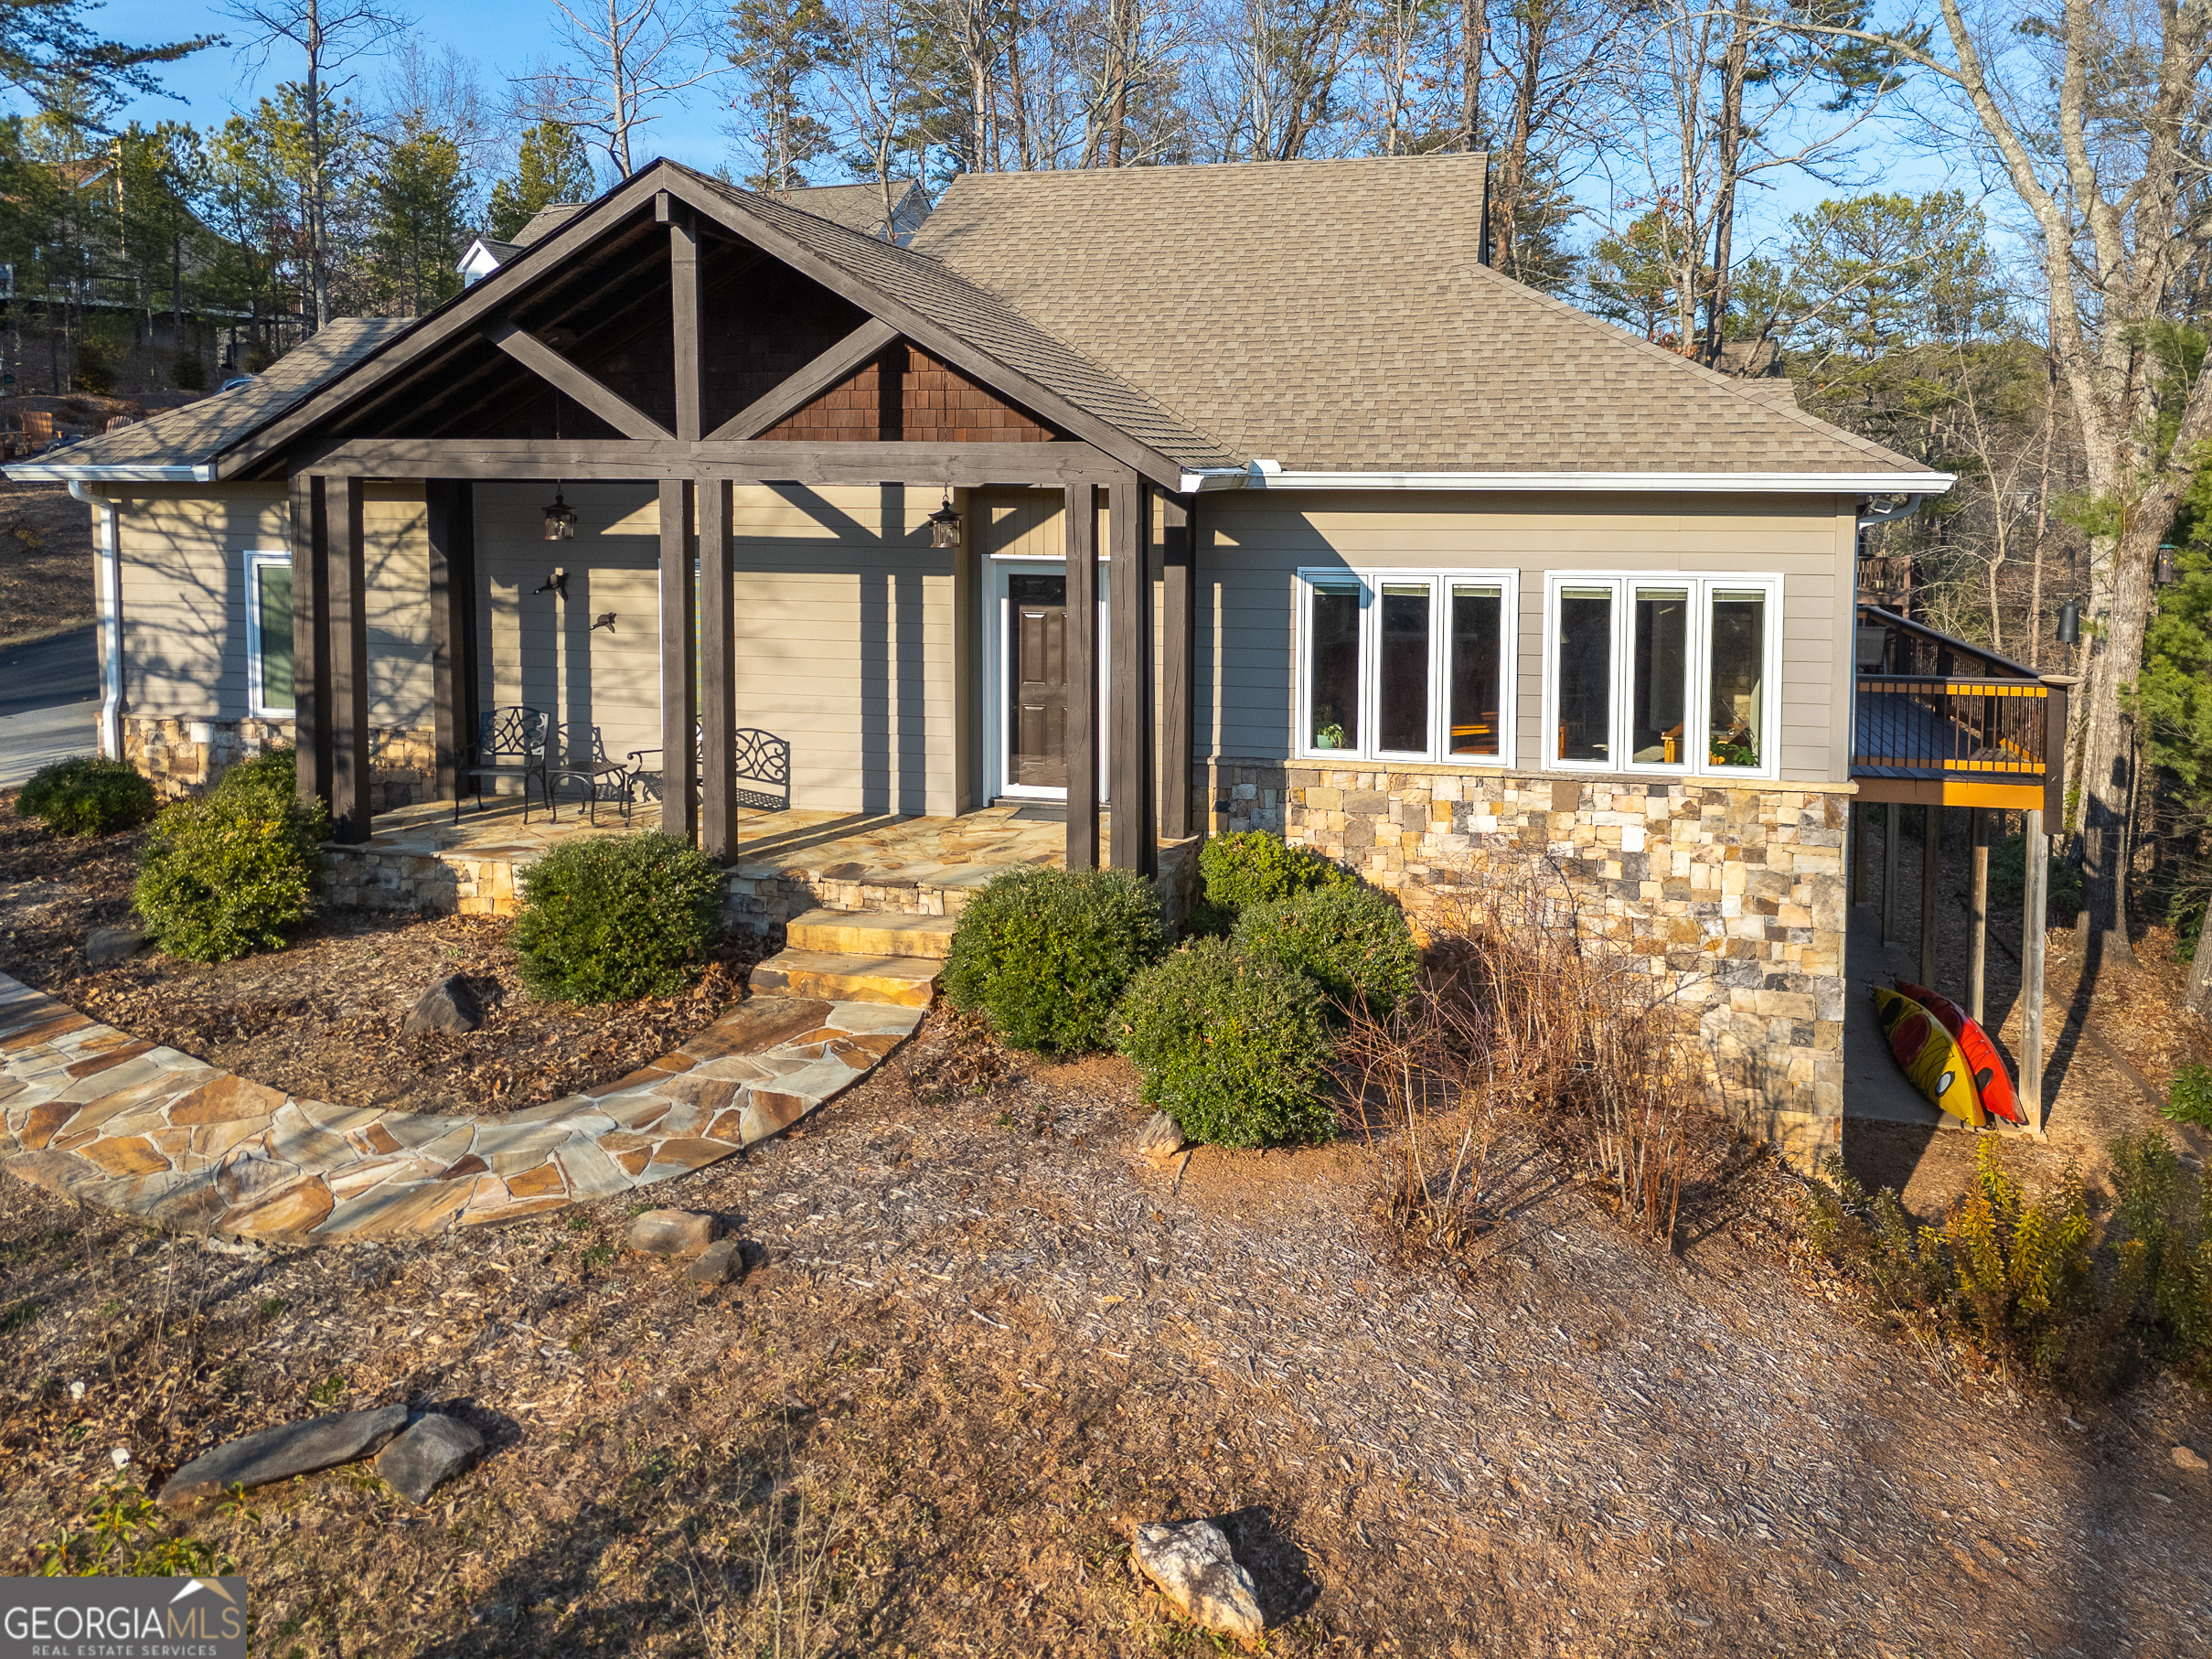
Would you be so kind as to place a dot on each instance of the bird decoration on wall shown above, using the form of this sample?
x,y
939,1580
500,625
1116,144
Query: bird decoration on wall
x,y
605,619
557,583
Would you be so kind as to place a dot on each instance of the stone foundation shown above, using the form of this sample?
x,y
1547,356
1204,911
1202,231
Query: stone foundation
x,y
1732,895
370,878
184,757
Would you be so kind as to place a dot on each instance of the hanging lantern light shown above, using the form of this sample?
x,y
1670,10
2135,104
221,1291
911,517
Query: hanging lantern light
x,y
2163,572
2070,624
560,519
945,525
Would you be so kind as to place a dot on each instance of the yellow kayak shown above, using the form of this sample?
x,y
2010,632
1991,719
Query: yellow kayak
x,y
1930,1055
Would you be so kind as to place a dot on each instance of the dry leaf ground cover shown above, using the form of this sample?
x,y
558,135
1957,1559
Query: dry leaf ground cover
x,y
322,1018
983,1340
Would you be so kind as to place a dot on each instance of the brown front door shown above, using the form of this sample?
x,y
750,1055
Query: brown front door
x,y
1036,723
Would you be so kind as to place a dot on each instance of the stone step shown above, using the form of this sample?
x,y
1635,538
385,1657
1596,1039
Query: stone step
x,y
872,933
836,976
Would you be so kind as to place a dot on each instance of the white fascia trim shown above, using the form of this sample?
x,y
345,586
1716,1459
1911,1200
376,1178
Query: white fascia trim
x,y
57,472
1705,483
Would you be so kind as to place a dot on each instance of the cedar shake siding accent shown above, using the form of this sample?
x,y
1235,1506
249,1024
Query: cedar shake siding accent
x,y
906,394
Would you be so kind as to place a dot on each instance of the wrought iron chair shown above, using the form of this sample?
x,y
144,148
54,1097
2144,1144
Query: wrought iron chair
x,y
578,754
758,758
511,743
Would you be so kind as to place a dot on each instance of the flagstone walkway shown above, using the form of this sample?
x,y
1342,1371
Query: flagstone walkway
x,y
88,1111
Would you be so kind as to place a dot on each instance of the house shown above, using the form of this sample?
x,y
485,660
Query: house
x,y
1227,496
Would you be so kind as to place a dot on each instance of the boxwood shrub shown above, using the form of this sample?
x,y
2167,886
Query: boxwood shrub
x,y
87,797
1044,955
274,770
232,873
1252,866
1232,1045
607,918
1352,942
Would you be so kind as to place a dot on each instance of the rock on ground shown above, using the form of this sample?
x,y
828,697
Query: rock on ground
x,y
1160,1138
1194,1567
428,1455
279,1453
723,1261
671,1233
450,1005
104,947
2186,1458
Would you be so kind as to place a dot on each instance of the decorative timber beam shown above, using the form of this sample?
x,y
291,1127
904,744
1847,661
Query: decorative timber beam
x,y
869,340
757,461
684,310
550,365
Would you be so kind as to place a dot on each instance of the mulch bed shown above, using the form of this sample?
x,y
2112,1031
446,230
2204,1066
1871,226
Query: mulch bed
x,y
321,1019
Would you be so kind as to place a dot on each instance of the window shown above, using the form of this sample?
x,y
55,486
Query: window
x,y
1660,674
269,634
1413,665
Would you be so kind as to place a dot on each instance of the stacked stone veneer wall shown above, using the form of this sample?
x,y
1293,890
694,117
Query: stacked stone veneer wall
x,y
1733,896
184,757
372,878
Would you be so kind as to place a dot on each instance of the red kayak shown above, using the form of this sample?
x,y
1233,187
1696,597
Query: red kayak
x,y
1992,1082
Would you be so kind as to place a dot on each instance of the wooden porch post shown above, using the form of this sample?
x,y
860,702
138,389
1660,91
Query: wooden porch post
x,y
1177,623
1080,537
679,661
1977,960
2035,901
310,638
1889,875
453,625
718,672
346,571
1858,852
1136,840
1931,882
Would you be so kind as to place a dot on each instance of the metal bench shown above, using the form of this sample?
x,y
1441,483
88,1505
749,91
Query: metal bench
x,y
511,743
758,758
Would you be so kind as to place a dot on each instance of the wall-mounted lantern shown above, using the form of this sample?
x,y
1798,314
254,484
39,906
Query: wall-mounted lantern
x,y
560,520
944,526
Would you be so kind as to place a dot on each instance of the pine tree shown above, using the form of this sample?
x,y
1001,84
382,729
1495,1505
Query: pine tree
x,y
778,47
551,166
418,208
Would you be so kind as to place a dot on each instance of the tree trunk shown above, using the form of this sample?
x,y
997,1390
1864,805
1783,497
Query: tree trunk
x,y
2198,992
1734,67
1474,40
2108,748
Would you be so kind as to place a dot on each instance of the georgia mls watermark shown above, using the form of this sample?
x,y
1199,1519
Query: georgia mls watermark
x,y
122,1619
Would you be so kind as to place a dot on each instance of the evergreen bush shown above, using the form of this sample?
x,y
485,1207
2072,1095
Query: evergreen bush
x,y
1251,867
1232,1045
607,918
272,770
1352,942
87,797
231,872
1044,955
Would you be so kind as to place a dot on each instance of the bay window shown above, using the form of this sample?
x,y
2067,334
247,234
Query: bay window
x,y
1412,665
1666,673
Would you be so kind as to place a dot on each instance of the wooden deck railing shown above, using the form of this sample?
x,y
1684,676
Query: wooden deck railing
x,y
1934,710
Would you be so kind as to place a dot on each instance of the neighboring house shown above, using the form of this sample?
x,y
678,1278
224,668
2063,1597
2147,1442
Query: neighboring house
x,y
1276,508
859,207
487,254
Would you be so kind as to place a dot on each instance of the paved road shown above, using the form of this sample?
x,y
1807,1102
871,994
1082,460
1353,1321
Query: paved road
x,y
49,704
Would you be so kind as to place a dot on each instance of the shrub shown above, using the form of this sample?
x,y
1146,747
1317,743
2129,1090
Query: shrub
x,y
272,770
1251,867
1044,955
1232,1045
610,917
188,372
2008,881
231,873
1352,942
2189,1099
87,797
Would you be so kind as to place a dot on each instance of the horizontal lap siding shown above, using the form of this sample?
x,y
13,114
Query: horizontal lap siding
x,y
1257,542
183,597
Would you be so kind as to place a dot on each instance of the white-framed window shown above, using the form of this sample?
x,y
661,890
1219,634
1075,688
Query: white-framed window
x,y
1668,672
1406,665
269,635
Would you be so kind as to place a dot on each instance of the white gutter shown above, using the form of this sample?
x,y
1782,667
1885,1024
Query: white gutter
x,y
1267,474
61,472
107,558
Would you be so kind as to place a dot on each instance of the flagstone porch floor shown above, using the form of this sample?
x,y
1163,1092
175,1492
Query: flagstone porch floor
x,y
787,862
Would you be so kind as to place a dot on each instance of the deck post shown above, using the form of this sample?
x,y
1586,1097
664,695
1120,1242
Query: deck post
x,y
453,625
718,673
1858,852
1178,657
1080,532
1889,875
1134,835
1977,960
1931,884
679,661
310,637
2035,900
347,574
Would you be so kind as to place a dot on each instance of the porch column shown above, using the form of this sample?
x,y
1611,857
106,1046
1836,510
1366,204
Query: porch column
x,y
453,625
679,661
310,639
1136,841
1931,883
346,573
1179,654
1080,533
718,672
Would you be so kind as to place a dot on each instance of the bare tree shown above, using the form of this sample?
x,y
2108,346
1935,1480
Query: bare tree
x,y
330,34
627,58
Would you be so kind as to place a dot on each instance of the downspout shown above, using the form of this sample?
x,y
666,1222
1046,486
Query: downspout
x,y
107,557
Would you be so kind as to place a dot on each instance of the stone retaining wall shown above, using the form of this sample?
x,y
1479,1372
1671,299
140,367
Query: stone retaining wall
x,y
184,757
371,878
1733,896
